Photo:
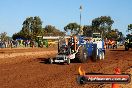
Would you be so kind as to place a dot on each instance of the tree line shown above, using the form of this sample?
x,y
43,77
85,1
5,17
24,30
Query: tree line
x,y
101,24
32,27
130,27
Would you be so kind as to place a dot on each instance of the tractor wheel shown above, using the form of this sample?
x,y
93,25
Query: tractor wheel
x,y
68,61
81,80
51,61
82,55
100,56
126,48
103,55
94,52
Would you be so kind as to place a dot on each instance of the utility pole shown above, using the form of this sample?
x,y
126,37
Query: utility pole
x,y
80,14
81,29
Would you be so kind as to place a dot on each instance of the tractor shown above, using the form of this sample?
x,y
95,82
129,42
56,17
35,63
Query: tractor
x,y
80,49
128,42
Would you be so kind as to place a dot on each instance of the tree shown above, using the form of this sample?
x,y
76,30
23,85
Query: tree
x,y
102,24
120,36
26,29
36,27
50,30
73,28
32,27
130,27
87,30
4,37
112,35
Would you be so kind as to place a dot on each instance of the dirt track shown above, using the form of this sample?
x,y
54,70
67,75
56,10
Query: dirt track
x,y
29,70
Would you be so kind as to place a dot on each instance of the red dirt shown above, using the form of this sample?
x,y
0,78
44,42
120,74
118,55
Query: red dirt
x,y
31,71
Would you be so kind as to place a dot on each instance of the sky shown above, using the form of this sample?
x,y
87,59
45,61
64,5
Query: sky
x,y
61,12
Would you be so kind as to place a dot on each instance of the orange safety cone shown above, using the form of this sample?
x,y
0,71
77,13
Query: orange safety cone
x,y
117,71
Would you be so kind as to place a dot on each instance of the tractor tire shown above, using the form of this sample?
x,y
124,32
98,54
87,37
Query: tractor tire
x,y
94,53
51,61
82,55
68,61
126,48
81,80
103,55
100,56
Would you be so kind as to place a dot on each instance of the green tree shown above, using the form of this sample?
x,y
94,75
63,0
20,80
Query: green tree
x,y
73,28
50,30
102,24
36,27
130,27
4,37
26,29
87,30
32,27
120,34
112,35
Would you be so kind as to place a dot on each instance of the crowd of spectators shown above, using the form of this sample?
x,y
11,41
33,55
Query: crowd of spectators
x,y
17,43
